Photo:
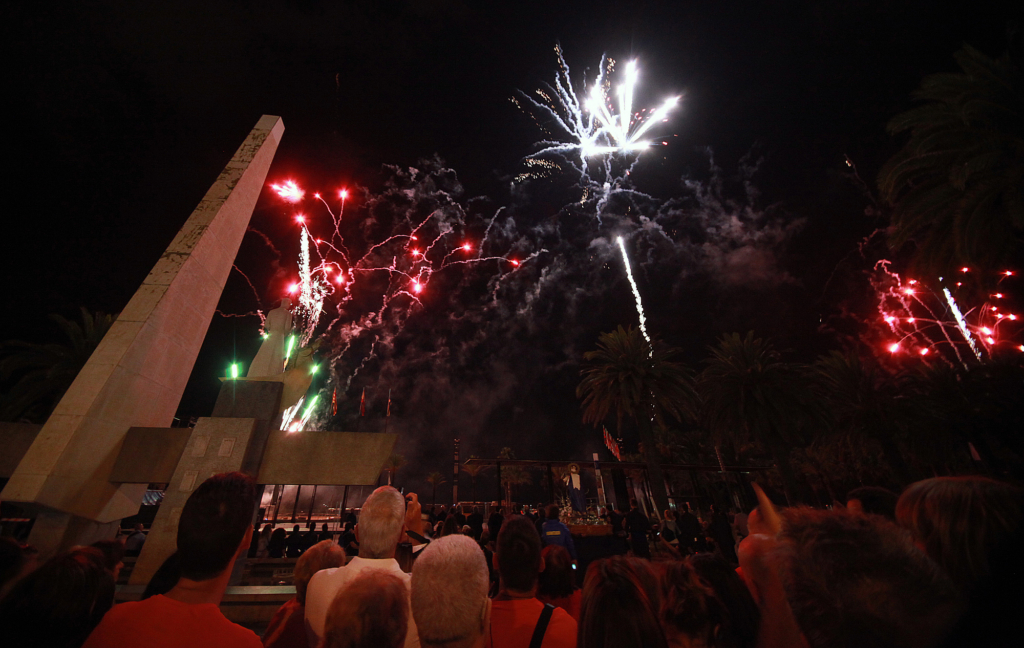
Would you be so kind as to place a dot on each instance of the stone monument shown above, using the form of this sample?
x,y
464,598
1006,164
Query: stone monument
x,y
136,376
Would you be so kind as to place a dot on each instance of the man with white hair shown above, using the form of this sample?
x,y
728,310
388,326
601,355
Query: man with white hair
x,y
449,594
381,526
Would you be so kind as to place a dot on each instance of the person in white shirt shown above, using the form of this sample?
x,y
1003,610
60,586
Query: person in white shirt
x,y
380,528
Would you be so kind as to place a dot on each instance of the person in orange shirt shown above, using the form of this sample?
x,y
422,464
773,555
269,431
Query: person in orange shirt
x,y
214,529
518,618
558,581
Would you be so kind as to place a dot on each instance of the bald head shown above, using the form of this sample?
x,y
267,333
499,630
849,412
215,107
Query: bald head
x,y
449,593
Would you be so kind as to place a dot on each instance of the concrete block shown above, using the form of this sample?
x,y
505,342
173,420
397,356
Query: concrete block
x,y
200,459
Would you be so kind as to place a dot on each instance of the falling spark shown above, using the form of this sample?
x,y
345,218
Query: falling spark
x,y
961,324
894,347
289,191
636,295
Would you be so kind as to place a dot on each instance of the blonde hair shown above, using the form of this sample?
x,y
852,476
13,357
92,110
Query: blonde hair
x,y
370,612
961,521
323,555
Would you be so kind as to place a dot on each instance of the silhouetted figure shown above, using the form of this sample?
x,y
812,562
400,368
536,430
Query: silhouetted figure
x,y
278,543
295,544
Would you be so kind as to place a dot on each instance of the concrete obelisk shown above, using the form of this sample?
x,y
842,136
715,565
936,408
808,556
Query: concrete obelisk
x,y
138,372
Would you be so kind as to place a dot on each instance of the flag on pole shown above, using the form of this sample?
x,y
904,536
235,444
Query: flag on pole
x,y
389,403
362,403
334,402
612,446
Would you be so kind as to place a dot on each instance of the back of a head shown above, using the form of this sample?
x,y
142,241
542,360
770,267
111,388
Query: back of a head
x,y
113,552
449,593
551,512
859,580
744,617
558,578
620,605
59,603
962,522
213,523
450,526
518,553
873,500
691,612
323,555
380,523
371,612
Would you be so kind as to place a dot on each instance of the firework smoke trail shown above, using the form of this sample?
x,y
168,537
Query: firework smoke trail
x,y
636,295
327,271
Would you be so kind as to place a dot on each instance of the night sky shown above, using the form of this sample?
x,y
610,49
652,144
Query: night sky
x,y
119,117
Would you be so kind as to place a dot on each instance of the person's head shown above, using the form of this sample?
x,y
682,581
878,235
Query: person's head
x,y
450,526
552,512
295,529
215,525
278,536
449,594
691,613
632,504
113,553
139,527
517,555
59,603
558,578
961,521
165,578
620,605
373,612
859,580
670,514
744,617
323,555
323,527
467,530
872,500
268,529
381,523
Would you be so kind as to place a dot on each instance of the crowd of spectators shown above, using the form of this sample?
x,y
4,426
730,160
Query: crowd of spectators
x,y
938,566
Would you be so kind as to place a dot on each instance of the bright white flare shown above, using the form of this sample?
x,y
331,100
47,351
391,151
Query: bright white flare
x,y
636,295
960,323
593,125
620,133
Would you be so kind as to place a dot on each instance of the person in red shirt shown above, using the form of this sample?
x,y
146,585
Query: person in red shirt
x,y
288,627
558,581
518,618
214,529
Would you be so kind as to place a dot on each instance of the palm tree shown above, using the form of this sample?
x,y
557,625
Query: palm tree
x,y
394,462
957,186
748,393
511,475
435,479
862,400
639,381
473,471
43,372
